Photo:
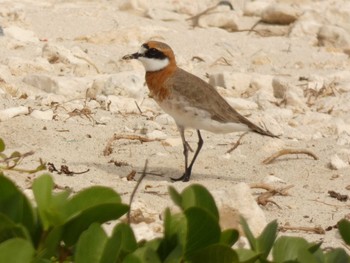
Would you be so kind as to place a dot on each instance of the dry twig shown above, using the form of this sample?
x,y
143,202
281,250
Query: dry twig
x,y
84,112
336,206
195,18
264,198
288,151
317,229
135,189
63,170
131,175
237,143
108,149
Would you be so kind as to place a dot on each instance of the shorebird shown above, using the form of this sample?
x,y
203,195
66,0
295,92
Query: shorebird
x,y
192,102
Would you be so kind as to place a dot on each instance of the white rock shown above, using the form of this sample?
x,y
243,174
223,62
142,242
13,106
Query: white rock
x,y
238,82
306,28
9,113
165,15
156,134
42,115
239,201
264,99
67,86
43,82
225,20
122,105
96,88
135,6
270,179
164,119
20,66
255,8
293,95
21,34
261,82
280,86
75,60
129,84
336,163
281,14
294,98
242,104
333,36
5,73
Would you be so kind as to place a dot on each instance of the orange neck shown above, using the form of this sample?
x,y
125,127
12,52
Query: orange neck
x,y
156,82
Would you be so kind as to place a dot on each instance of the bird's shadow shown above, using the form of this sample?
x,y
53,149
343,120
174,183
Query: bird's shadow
x,y
156,173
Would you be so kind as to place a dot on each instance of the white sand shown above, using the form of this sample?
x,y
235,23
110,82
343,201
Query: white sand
x,y
106,34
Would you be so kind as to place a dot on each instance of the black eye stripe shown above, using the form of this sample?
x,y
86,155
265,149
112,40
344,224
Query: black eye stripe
x,y
154,53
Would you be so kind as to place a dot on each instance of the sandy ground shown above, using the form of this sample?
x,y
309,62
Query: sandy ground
x,y
107,32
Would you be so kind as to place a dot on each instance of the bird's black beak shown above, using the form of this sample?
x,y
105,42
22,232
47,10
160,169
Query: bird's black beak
x,y
132,56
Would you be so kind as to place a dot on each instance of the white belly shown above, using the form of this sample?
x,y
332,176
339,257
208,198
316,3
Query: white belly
x,y
190,117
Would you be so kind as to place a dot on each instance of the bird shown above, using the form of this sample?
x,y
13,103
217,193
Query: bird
x,y
189,100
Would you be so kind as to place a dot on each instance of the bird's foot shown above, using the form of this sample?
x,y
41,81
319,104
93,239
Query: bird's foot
x,y
184,178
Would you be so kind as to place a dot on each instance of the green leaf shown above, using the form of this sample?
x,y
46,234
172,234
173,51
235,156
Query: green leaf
x,y
287,248
229,237
174,236
42,189
91,245
121,243
52,207
337,255
305,256
217,253
175,256
202,230
9,229
175,196
15,205
90,197
98,214
143,255
49,246
267,238
249,235
247,255
344,230
16,250
112,248
197,195
2,145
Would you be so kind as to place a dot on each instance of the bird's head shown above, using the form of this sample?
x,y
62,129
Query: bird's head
x,y
154,56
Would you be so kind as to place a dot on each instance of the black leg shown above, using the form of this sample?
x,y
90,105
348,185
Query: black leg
x,y
188,169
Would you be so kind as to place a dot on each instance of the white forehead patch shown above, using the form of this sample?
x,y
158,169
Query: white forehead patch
x,y
153,64
142,50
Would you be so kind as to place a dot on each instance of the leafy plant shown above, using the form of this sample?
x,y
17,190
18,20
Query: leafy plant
x,y
61,227
11,162
58,225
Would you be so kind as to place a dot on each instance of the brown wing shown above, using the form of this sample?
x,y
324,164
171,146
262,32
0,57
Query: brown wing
x,y
204,96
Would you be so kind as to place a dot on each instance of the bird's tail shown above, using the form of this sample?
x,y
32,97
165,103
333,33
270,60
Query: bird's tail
x,y
258,129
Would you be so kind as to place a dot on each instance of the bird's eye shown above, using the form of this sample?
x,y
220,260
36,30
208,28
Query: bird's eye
x,y
155,53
